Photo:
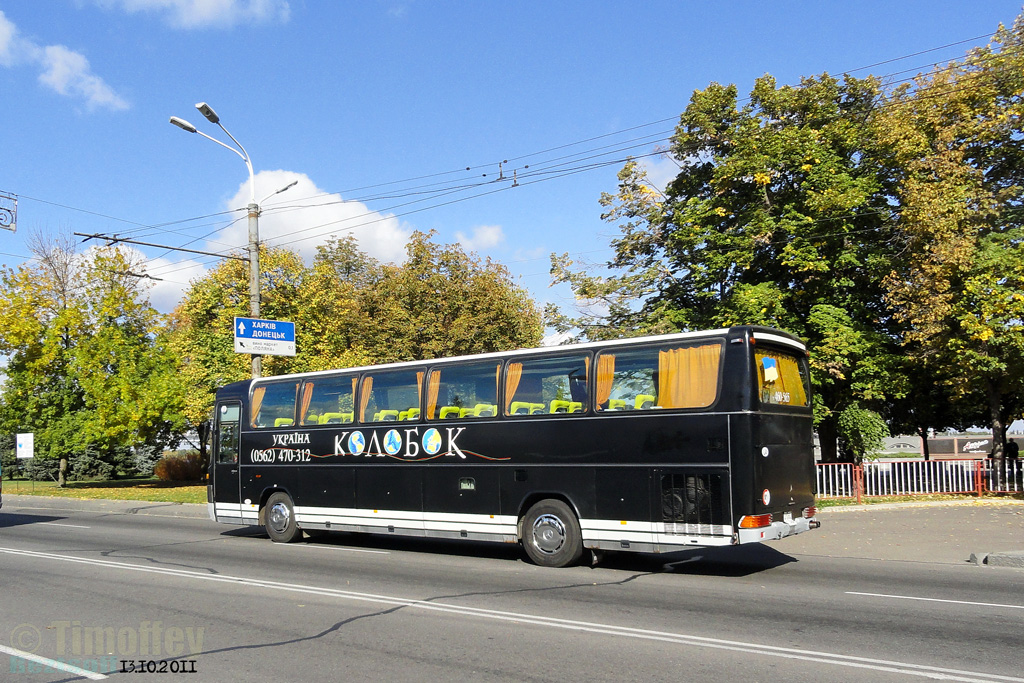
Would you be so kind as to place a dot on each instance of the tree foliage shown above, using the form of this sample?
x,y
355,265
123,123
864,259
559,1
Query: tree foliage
x,y
350,310
956,141
89,371
883,226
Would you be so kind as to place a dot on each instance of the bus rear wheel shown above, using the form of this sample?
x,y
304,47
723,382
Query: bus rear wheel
x,y
279,519
551,534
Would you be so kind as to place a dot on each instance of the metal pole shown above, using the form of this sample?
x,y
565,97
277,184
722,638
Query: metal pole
x,y
254,277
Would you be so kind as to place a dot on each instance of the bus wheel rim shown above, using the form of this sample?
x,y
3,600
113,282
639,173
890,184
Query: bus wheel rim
x,y
549,534
279,517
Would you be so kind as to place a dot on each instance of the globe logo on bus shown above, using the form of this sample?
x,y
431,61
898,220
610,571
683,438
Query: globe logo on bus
x,y
392,442
432,441
356,443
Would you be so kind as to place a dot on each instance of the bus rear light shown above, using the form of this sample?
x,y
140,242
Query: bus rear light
x,y
755,521
810,512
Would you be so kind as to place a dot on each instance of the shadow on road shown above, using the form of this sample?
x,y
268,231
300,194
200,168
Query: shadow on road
x,y
8,519
731,561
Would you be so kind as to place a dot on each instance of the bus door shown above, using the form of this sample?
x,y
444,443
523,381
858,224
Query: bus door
x,y
227,445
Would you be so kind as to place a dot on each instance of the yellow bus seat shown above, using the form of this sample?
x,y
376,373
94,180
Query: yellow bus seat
x,y
485,410
284,422
643,402
448,412
521,408
566,406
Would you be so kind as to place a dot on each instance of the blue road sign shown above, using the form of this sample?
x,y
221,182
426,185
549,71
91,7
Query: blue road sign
x,y
264,337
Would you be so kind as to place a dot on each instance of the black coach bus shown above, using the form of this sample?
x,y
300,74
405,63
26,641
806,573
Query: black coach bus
x,y
651,444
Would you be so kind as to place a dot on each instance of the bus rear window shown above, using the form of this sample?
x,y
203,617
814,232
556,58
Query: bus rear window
x,y
781,378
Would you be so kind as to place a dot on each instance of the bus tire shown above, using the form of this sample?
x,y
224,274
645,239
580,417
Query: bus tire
x,y
551,534
280,519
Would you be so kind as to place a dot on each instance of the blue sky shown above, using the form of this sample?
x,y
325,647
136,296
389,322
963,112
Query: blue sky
x,y
373,105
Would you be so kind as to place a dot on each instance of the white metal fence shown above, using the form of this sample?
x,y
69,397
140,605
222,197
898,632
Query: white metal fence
x,y
917,477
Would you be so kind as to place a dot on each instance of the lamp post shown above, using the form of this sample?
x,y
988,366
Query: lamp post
x,y
253,209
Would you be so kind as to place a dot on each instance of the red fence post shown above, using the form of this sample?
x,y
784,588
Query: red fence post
x,y
979,480
858,481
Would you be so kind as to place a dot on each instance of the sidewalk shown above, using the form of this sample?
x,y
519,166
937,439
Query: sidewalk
x,y
14,503
946,532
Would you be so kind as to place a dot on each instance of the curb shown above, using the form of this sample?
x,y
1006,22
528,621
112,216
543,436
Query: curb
x,y
14,503
974,502
1013,558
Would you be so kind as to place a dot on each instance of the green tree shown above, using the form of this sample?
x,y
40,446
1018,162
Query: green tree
x,y
955,137
88,367
862,433
780,215
444,302
351,310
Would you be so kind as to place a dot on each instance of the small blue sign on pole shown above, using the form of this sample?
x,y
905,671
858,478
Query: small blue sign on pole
x,y
264,337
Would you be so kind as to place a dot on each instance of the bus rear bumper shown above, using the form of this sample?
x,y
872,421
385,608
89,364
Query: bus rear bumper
x,y
777,530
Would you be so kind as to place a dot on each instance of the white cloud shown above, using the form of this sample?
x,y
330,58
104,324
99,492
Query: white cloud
x,y
62,70
189,14
68,73
555,339
299,219
174,277
661,170
484,237
8,36
305,216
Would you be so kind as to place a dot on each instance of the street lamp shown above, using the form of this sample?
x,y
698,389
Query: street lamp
x,y
253,209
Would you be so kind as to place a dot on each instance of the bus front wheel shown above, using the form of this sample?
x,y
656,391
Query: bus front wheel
x,y
551,534
280,519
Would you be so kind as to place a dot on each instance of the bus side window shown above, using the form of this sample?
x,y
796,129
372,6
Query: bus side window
x,y
228,433
273,405
550,386
463,391
391,396
327,400
679,376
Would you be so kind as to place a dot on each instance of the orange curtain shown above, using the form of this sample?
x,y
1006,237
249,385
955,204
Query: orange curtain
x,y
605,376
307,396
789,380
256,403
433,389
497,380
364,397
419,388
688,377
355,380
513,373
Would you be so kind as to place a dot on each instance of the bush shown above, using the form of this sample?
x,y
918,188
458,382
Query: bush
x,y
41,469
180,467
146,459
91,464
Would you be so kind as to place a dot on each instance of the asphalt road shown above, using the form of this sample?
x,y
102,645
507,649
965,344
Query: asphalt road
x,y
882,594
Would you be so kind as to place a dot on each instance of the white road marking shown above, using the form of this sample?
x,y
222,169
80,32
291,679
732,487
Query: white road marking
x,y
953,602
933,672
52,664
73,526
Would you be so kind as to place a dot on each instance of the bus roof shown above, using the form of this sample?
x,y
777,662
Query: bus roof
x,y
766,334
